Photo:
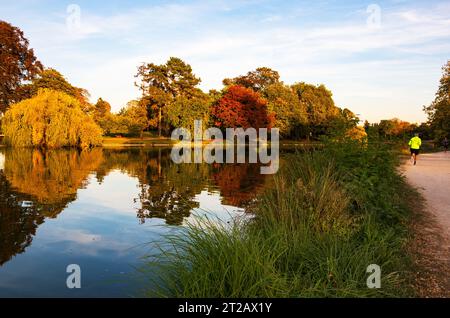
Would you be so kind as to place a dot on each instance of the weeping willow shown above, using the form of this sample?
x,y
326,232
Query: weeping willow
x,y
51,119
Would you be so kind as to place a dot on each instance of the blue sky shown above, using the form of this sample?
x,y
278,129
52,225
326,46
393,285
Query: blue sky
x,y
381,59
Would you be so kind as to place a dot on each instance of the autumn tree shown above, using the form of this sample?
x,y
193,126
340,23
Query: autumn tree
x,y
402,128
257,80
356,133
241,107
51,119
101,108
439,110
135,117
131,120
17,64
162,84
394,128
101,112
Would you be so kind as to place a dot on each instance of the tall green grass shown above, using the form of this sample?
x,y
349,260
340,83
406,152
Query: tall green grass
x,y
328,215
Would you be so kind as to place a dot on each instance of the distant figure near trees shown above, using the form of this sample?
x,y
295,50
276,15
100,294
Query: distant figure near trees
x,y
445,144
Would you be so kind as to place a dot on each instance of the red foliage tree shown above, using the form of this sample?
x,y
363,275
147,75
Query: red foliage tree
x,y
241,107
17,64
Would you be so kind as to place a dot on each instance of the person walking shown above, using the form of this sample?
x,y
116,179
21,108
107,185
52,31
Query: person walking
x,y
414,145
445,144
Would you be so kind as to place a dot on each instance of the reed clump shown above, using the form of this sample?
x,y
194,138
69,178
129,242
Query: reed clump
x,y
328,215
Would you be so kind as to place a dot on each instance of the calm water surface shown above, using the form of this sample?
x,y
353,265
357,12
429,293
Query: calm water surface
x,y
103,210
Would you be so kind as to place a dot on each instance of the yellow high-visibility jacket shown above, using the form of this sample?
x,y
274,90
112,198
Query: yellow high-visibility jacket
x,y
415,143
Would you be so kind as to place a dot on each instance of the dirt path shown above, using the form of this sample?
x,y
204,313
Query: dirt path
x,y
431,176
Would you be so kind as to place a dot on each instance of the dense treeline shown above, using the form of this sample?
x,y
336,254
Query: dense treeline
x,y
391,129
170,99
258,99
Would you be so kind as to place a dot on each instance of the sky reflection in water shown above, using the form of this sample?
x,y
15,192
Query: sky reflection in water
x,y
102,210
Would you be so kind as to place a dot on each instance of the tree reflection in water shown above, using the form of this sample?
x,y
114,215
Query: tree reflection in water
x,y
238,183
18,222
50,177
36,184
168,190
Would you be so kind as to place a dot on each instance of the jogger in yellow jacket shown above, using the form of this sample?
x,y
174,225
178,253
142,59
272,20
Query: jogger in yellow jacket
x,y
414,144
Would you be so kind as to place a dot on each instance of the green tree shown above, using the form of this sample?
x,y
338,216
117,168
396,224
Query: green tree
x,y
183,111
319,105
214,95
439,110
51,119
290,113
54,80
17,64
344,121
115,124
425,131
162,84
386,128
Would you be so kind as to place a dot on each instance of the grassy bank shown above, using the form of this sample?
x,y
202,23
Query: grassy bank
x,y
328,215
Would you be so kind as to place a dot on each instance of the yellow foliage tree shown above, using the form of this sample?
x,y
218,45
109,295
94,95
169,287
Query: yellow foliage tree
x,y
357,133
51,119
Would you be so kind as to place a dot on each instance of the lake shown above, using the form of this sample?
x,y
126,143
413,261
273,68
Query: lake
x,y
105,210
